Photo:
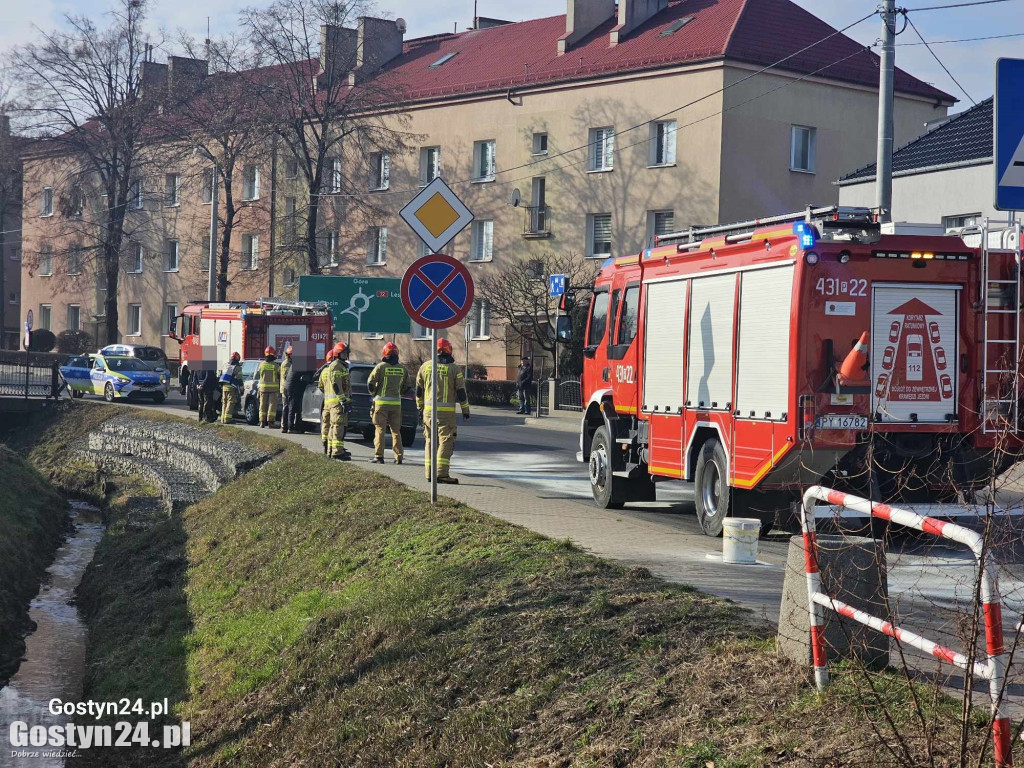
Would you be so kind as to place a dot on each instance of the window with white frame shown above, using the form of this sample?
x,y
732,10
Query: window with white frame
x,y
961,220
171,256
250,251
430,164
378,250
134,319
136,199
76,198
482,240
484,164
208,186
251,182
328,255
372,336
172,189
74,317
803,141
480,319
334,180
46,260
660,223
75,260
291,168
46,202
599,235
135,254
663,142
45,316
602,149
540,144
380,171
289,276
170,313
420,332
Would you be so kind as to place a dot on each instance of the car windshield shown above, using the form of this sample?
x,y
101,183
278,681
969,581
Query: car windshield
x,y
149,354
126,364
78,362
249,368
360,375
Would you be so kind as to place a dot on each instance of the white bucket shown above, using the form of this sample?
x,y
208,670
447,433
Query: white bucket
x,y
739,540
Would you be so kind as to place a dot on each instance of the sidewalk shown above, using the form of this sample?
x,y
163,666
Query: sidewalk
x,y
563,421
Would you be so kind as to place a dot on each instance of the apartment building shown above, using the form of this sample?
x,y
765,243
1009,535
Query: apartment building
x,y
613,122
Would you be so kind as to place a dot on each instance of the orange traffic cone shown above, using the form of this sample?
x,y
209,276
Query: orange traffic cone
x,y
853,371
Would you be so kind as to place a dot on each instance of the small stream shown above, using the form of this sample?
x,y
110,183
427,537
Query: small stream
x,y
55,652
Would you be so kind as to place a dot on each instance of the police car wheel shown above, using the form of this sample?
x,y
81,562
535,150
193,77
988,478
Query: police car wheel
x,y
108,392
711,488
609,491
158,398
76,393
408,437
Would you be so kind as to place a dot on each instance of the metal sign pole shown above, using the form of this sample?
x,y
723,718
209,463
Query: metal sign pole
x,y
432,458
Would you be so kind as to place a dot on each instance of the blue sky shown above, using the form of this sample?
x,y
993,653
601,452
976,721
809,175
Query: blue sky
x,y
971,63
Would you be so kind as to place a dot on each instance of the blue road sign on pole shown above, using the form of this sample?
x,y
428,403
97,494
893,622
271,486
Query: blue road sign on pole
x,y
556,285
437,291
1009,135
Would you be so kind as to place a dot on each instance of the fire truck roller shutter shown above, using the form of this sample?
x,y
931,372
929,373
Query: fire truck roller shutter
x,y
709,373
664,342
762,370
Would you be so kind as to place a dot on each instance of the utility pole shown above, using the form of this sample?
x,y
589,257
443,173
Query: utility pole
x,y
273,212
211,294
886,71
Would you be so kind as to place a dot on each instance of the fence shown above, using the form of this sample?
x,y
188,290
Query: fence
x,y
26,379
569,395
994,670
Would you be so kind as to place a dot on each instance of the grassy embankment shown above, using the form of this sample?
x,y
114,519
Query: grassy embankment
x,y
315,614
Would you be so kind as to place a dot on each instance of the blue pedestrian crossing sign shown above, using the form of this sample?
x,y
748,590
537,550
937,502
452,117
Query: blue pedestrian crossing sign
x,y
556,285
1008,158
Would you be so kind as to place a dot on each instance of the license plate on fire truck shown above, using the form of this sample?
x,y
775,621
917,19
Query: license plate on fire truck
x,y
837,421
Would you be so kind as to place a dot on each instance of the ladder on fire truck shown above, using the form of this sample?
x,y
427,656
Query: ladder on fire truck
x,y
830,217
997,352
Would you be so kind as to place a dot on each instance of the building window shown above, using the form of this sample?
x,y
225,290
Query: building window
x,y
663,142
204,257
45,314
74,317
599,235
961,220
802,148
535,269
291,169
482,240
134,319
484,165
101,293
602,149
208,186
334,166
251,182
660,223
480,319
378,250
372,336
46,261
172,189
420,333
291,225
75,260
540,143
289,276
380,171
46,202
430,164
250,251
170,313
135,195
171,256
328,254
76,199
135,254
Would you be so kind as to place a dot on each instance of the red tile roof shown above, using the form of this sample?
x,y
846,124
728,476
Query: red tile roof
x,y
526,53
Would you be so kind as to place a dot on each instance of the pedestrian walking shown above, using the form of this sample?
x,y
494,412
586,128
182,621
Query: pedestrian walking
x,y
451,388
388,380
268,379
230,385
294,383
524,383
336,385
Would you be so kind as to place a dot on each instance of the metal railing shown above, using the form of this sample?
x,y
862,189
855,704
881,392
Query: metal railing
x,y
22,378
569,394
536,224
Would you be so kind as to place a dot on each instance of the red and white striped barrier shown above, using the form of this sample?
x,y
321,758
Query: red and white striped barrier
x,y
994,670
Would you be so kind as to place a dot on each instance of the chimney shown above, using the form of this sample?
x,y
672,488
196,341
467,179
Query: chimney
x,y
154,79
378,41
337,51
185,76
581,18
633,13
485,22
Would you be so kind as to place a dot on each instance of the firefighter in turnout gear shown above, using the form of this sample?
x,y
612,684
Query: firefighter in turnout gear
x,y
336,385
230,386
387,382
451,387
268,378
324,418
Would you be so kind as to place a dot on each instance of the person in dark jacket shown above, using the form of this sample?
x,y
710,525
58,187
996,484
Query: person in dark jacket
x,y
524,383
206,383
294,379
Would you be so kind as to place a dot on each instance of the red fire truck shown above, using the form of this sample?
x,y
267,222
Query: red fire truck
x,y
716,357
208,329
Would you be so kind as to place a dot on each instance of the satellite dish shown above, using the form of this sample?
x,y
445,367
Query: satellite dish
x,y
401,25
515,198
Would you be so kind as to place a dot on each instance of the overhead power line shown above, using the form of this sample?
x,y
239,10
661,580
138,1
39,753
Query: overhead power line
x,y
954,5
938,60
965,39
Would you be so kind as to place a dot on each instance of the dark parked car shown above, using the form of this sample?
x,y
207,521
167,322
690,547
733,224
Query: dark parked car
x,y
359,419
152,355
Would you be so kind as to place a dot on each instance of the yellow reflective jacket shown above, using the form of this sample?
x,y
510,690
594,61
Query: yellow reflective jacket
x,y
335,383
268,376
451,387
387,383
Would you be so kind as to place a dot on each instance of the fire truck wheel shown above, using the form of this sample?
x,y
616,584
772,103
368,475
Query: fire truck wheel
x,y
711,488
609,491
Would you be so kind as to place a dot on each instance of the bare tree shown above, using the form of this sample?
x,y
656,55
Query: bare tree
x,y
329,105
85,87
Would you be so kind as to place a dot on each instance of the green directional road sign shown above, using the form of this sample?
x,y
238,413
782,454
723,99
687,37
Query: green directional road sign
x,y
359,304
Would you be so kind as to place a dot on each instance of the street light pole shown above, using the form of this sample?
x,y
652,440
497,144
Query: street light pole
x,y
886,71
214,183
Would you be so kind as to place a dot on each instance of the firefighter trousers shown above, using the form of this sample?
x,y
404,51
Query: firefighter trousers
x,y
333,426
446,433
387,419
268,405
228,403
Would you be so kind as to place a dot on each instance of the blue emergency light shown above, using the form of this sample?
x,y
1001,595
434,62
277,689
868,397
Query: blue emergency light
x,y
806,232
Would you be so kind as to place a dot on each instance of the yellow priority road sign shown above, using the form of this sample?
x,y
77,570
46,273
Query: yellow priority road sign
x,y
436,215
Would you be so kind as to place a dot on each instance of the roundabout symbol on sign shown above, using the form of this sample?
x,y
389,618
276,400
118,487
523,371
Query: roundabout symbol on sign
x,y
437,291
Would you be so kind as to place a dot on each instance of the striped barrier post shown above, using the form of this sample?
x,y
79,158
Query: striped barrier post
x,y
993,670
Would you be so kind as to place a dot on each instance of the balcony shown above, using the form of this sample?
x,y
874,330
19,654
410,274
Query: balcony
x,y
536,224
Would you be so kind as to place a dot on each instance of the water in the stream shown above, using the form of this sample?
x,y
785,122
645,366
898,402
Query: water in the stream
x,y
55,651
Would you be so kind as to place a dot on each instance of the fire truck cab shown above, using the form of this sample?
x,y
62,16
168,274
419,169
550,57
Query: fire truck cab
x,y
213,331
715,357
